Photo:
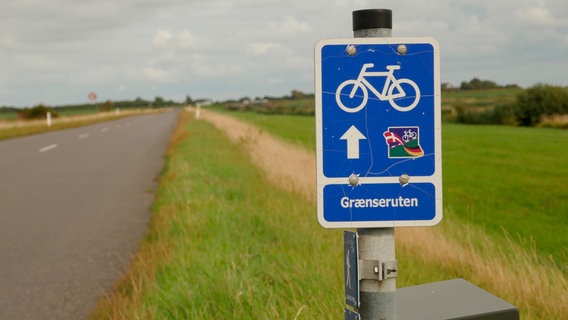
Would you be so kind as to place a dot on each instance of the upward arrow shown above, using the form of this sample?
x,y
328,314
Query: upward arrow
x,y
352,135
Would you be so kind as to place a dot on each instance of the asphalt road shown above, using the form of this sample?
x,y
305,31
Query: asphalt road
x,y
74,205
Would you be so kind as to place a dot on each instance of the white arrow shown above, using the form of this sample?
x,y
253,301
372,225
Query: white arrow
x,y
352,135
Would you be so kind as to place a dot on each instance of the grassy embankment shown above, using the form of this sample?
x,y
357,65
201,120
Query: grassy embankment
x,y
510,181
11,128
227,243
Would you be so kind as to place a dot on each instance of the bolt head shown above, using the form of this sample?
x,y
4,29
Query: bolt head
x,y
403,179
354,180
351,50
401,49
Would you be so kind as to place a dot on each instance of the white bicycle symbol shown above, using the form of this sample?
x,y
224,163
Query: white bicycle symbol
x,y
408,135
388,92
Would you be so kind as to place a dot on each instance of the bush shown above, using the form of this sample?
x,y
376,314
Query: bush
x,y
477,84
38,112
500,114
538,101
106,106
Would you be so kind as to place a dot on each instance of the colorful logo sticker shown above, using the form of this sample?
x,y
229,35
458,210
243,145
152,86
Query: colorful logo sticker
x,y
403,142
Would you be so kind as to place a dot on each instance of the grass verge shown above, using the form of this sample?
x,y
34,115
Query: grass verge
x,y
227,243
14,129
459,247
508,180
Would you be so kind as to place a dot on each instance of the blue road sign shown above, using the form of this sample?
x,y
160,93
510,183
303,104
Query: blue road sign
x,y
378,131
351,268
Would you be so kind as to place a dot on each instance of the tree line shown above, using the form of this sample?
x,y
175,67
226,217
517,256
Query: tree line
x,y
478,84
529,108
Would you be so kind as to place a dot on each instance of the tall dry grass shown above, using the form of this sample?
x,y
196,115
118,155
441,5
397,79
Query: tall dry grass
x,y
538,288
289,166
554,121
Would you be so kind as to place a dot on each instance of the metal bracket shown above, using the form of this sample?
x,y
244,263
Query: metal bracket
x,y
377,270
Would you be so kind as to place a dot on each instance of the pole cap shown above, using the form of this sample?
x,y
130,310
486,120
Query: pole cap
x,y
372,19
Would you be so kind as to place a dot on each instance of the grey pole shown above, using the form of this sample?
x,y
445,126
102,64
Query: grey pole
x,y
376,297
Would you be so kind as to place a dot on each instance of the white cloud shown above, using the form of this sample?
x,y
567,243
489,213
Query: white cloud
x,y
155,74
220,48
8,41
162,38
288,27
262,48
537,16
185,39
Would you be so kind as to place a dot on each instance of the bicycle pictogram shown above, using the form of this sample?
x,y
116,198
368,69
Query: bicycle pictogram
x,y
392,90
408,135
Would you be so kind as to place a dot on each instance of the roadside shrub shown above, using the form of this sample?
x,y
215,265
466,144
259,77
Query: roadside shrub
x,y
304,106
106,106
538,101
38,112
500,114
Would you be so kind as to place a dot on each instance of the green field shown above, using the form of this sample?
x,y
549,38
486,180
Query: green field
x,y
226,246
509,180
226,243
476,100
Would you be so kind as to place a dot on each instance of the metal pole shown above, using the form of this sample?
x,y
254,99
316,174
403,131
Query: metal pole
x,y
376,297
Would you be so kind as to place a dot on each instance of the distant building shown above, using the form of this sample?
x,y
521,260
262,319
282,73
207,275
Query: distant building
x,y
203,102
447,86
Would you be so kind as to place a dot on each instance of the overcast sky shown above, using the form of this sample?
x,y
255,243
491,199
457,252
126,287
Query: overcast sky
x,y
57,51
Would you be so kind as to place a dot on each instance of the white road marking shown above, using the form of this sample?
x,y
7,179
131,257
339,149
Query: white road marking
x,y
47,148
83,136
104,129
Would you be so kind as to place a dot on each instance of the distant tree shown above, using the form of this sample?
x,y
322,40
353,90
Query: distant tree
x,y
244,99
540,100
477,84
297,94
465,86
188,100
106,106
512,86
447,86
38,112
158,102
486,84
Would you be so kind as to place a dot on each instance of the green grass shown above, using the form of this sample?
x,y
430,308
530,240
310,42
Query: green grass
x,y
509,180
299,130
240,249
225,243
294,128
479,98
482,94
243,255
8,116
